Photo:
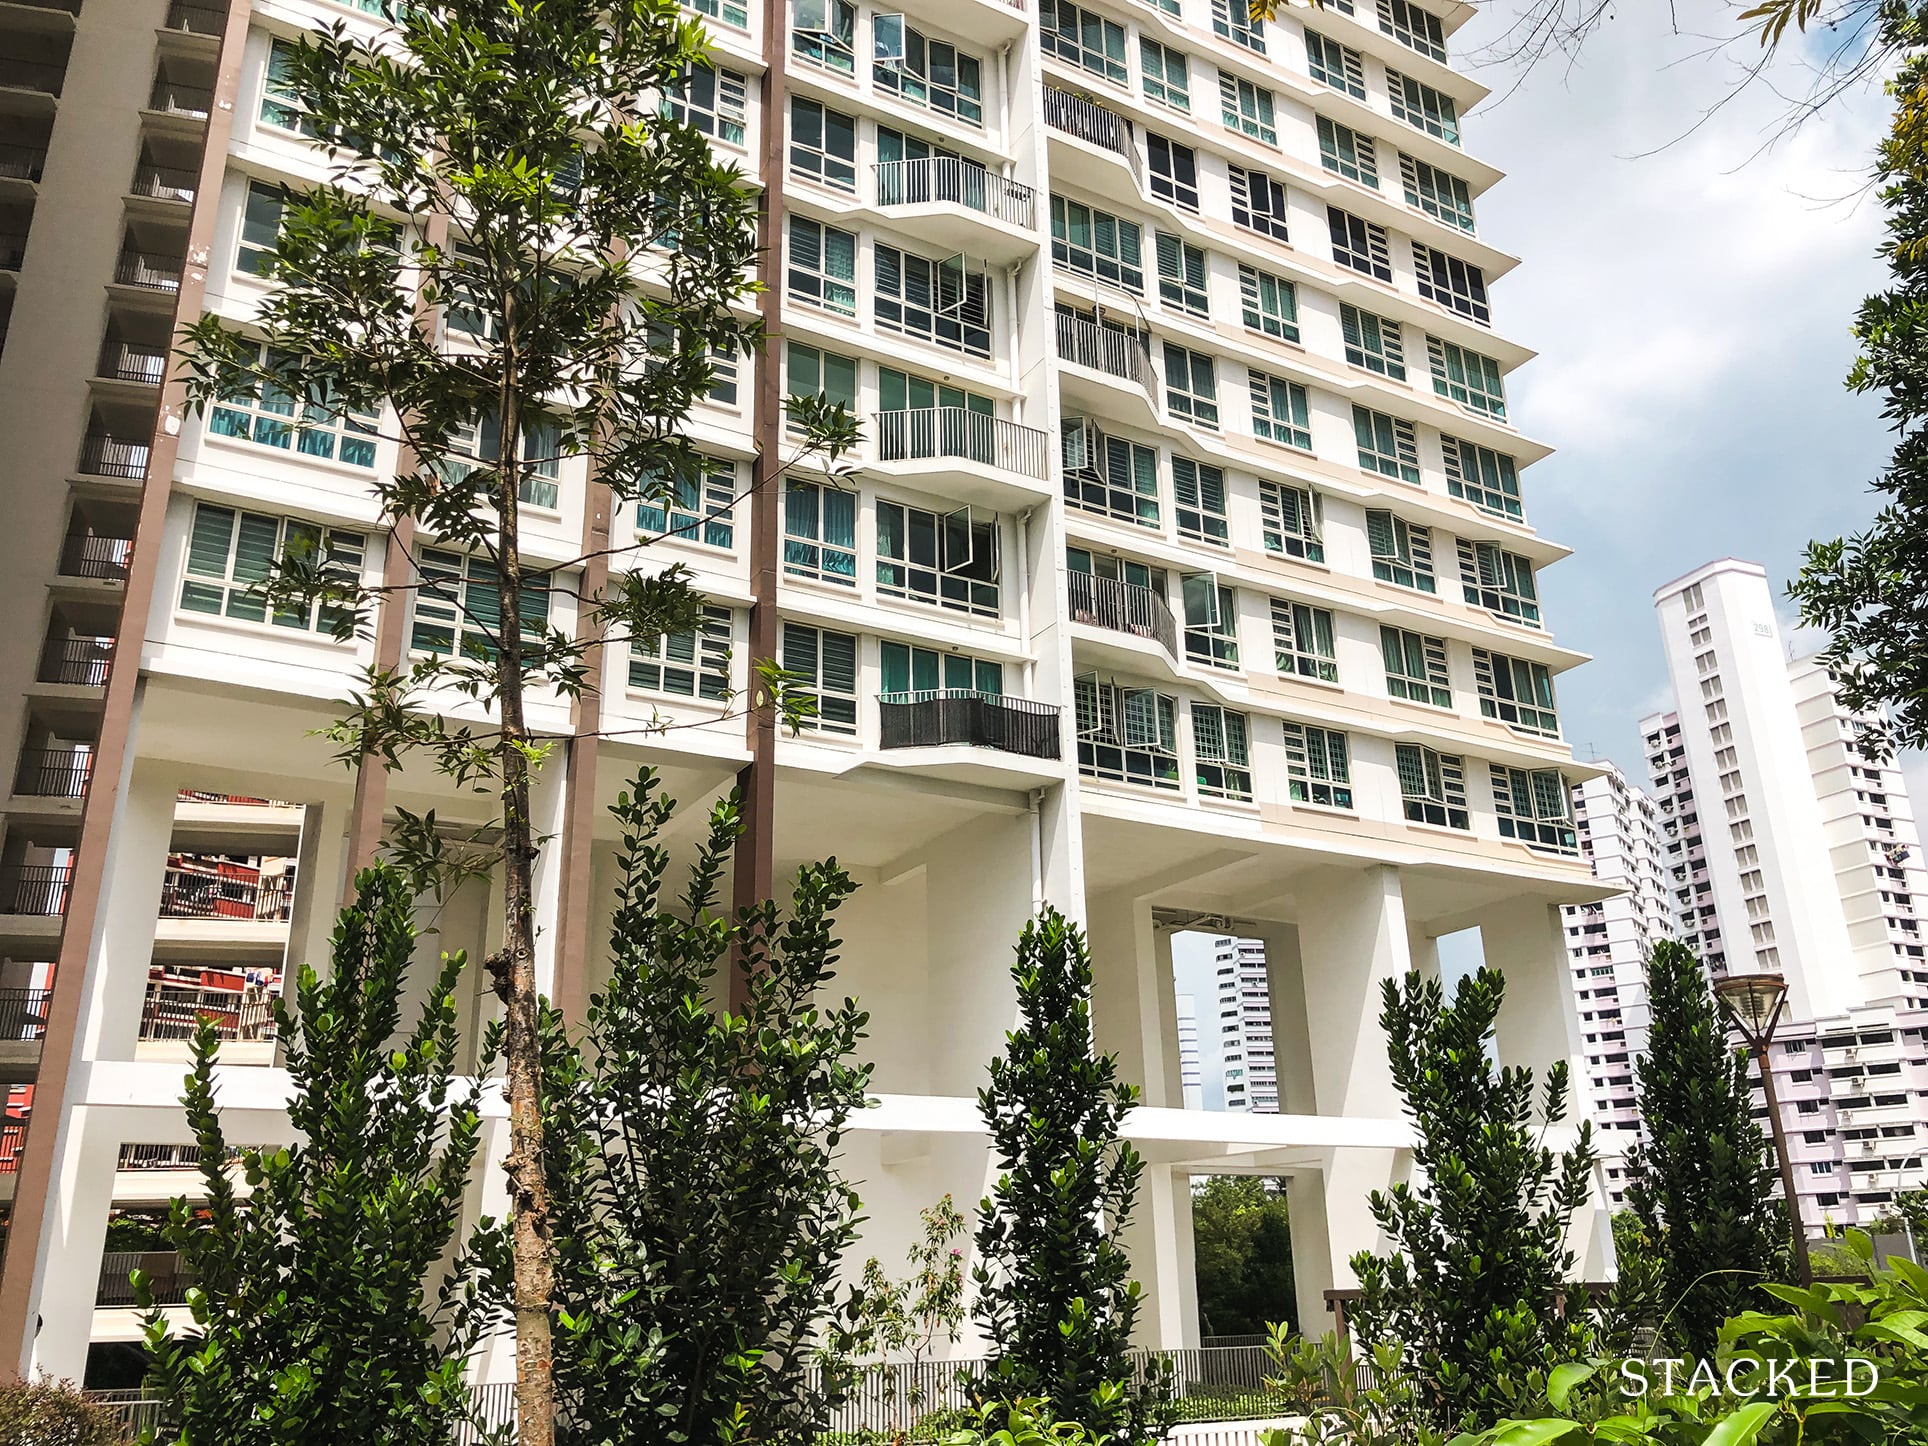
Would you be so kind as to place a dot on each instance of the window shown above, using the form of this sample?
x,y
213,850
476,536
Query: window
x,y
1485,478
825,665
942,302
1374,342
1270,303
1416,29
231,554
541,454
1083,37
1332,64
1289,521
825,31
823,144
1167,78
270,417
1359,244
1108,475
1181,275
722,389
1258,203
1432,786
1415,667
1317,765
1534,808
819,532
260,229
1499,581
1233,20
691,665
699,506
1387,445
932,73
280,106
1444,197
1423,107
458,608
715,102
1280,412
1402,553
1126,734
1516,692
728,11
809,372
1211,621
1198,495
911,673
1174,171
1246,108
949,559
1345,152
1302,641
823,266
1452,283
1191,386
1467,377
1220,746
1097,244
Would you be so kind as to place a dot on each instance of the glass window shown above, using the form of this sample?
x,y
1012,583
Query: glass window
x,y
1191,386
1499,581
1486,478
458,606
1211,621
1280,412
716,102
1233,20
1198,498
1258,203
1416,667
270,417
1127,734
825,31
1289,521
1270,303
1333,64
932,73
944,302
1416,29
280,106
1302,641
1318,765
1388,445
232,554
1422,106
1219,744
1345,152
913,673
1166,76
1174,171
809,372
1083,37
1440,195
1246,108
260,229
823,144
1467,377
823,266
730,12
1534,808
690,665
699,507
1432,786
1402,553
819,532
1359,244
1451,283
1516,692
950,560
1373,342
1182,275
1097,244
1108,475
825,667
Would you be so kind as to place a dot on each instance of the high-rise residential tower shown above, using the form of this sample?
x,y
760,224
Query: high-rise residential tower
x,y
1175,327
1245,1026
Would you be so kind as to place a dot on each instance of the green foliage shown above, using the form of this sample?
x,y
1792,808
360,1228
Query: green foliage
x,y
700,1213
1480,1254
1699,1184
53,1413
135,1231
1027,1421
1054,1290
332,1302
1242,1243
906,1317
1343,1399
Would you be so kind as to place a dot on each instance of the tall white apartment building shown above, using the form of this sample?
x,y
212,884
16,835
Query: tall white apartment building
x,y
1791,848
1247,626
1245,1026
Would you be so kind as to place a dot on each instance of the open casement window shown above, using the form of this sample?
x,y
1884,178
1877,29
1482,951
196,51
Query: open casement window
x,y
819,532
1291,521
1499,581
1467,378
1416,667
687,665
1451,283
1109,475
1302,641
912,674
1432,786
925,71
231,554
1317,765
825,666
1402,552
825,31
1517,692
715,102
1331,63
1259,203
1535,808
1487,479
946,302
950,560
1222,753
1211,620
1126,734
458,608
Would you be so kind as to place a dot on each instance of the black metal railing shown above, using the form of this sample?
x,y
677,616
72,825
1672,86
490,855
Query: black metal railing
x,y
1107,349
36,889
146,268
191,894
31,75
23,1014
165,183
196,19
99,557
102,455
176,99
1088,121
174,1009
959,183
13,250
963,715
1123,607
22,163
66,7
124,361
54,773
927,432
166,1276
81,662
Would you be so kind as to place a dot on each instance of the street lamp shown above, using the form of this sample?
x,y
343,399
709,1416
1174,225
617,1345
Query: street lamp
x,y
1753,1004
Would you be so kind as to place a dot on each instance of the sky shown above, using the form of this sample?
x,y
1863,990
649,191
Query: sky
x,y
1689,282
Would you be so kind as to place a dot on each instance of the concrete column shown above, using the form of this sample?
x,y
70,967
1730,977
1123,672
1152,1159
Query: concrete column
x,y
1127,953
130,904
1291,1036
321,868
63,1308
548,805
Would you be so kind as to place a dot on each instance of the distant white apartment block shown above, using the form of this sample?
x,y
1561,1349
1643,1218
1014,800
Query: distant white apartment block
x,y
1245,1026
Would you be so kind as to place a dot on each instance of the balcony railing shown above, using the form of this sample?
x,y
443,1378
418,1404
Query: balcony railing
x,y
926,432
958,182
174,1009
1090,122
99,557
54,773
126,362
166,1277
1107,349
964,715
31,75
174,99
165,183
1123,607
36,889
13,250
22,163
191,894
159,1157
196,19
105,456
23,1014
66,7
81,662
13,1135
144,268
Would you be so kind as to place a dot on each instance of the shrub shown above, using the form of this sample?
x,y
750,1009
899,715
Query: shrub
x,y
53,1413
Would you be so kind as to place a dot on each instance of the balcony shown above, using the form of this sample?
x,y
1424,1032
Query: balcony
x,y
1109,350
54,772
961,204
13,250
175,1007
186,17
946,716
103,455
22,163
1123,607
126,361
166,1276
172,98
40,77
35,890
23,1014
76,662
149,270
164,183
968,456
1087,121
104,559
212,892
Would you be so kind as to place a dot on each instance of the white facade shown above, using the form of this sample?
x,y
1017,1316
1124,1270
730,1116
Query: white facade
x,y
1191,1072
1245,1026
1238,354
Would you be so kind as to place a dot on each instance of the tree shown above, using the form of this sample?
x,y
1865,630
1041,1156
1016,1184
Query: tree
x,y
514,171
700,1209
1054,1290
53,1413
1699,1182
1480,1245
332,1303
1242,1244
898,1322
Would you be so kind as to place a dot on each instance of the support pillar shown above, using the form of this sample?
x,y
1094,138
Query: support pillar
x,y
63,1319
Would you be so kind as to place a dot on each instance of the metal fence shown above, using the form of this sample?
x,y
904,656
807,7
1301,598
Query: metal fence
x,y
81,662
35,889
53,773
187,100
196,19
1108,349
22,163
963,715
23,1014
165,183
192,894
1123,607
1088,121
958,182
144,268
920,433
97,557
174,1009
166,1276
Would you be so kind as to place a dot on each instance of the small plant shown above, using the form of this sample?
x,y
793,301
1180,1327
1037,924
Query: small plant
x,y
1024,1422
898,1322
53,1413
1339,1398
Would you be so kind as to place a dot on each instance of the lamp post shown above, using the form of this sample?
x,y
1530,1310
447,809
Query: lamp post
x,y
1753,1004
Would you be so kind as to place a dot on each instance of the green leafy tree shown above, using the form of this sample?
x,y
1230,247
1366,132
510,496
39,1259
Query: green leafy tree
x,y
1480,1245
1055,1295
334,1303
1242,1243
523,254
898,1323
53,1413
1699,1182
701,1212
